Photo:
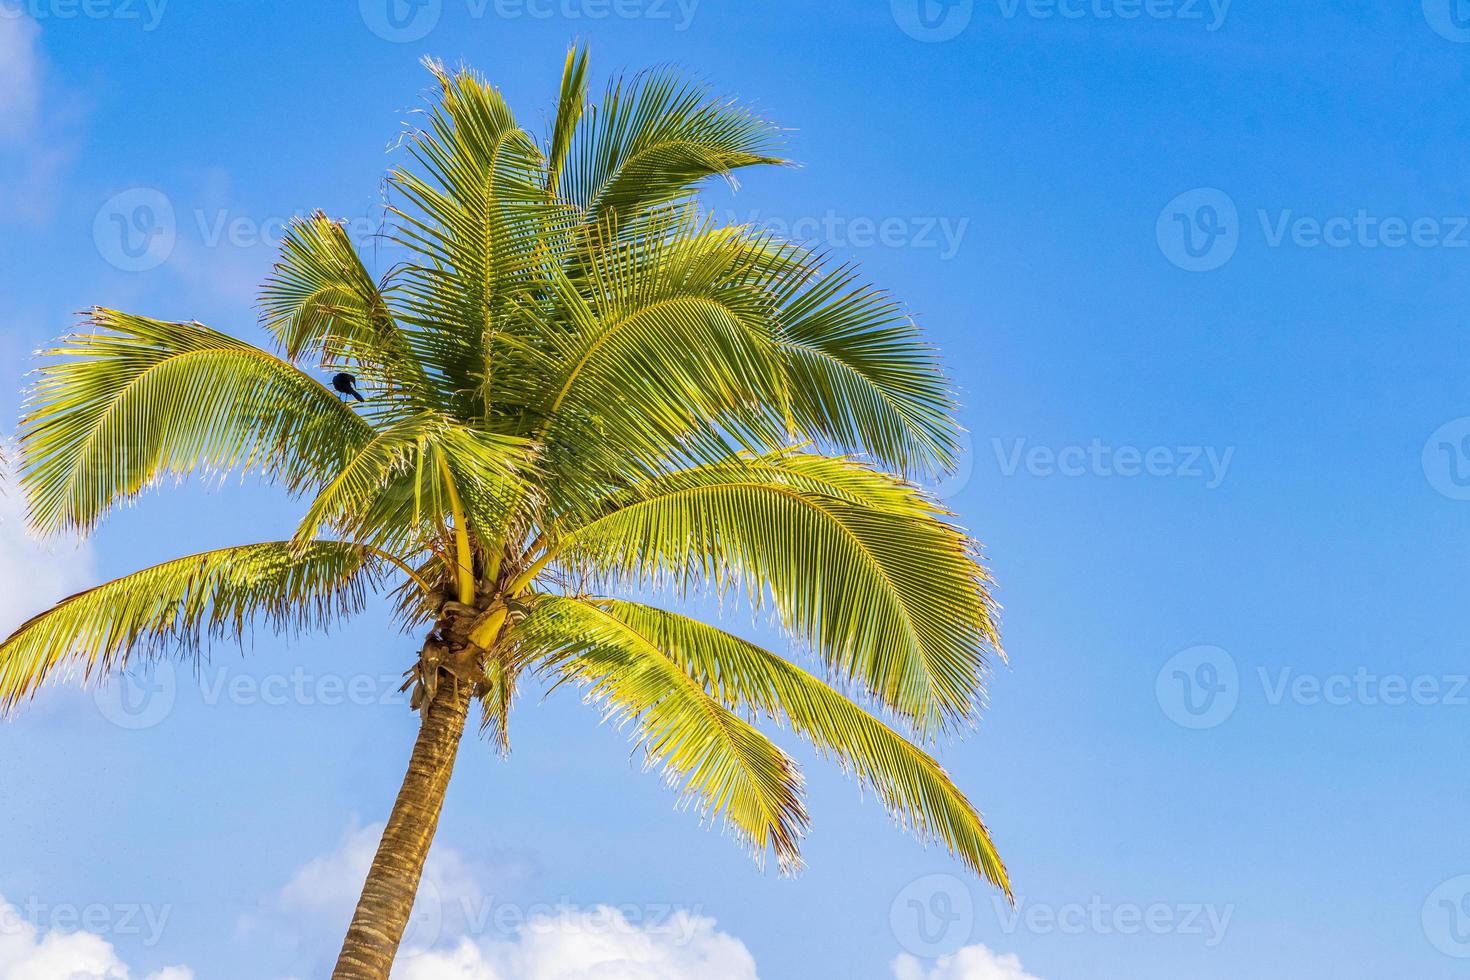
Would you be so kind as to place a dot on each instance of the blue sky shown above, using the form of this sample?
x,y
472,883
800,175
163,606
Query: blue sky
x,y
1201,274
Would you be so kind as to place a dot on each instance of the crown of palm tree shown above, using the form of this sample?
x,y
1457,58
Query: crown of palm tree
x,y
578,386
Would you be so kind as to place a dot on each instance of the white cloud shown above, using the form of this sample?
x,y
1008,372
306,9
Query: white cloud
x,y
970,963
323,893
597,944
26,954
20,71
460,932
39,120
33,574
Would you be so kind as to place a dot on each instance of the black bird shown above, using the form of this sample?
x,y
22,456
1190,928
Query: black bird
x,y
347,384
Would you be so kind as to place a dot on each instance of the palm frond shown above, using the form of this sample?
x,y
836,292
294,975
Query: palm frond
x,y
130,399
861,379
652,141
178,604
859,564
477,212
912,785
666,339
321,301
570,105
393,489
712,754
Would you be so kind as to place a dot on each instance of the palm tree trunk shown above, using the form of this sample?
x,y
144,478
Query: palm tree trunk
x,y
387,897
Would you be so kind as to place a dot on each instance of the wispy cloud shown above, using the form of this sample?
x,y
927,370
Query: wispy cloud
x,y
462,928
600,942
20,75
37,121
28,952
459,928
33,574
976,962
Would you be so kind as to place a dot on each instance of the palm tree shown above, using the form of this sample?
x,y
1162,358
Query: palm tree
x,y
577,386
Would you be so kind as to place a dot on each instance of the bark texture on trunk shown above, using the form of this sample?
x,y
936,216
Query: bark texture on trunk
x,y
387,897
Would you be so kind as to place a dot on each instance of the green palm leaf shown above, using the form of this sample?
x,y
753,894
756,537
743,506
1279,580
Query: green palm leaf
x,y
650,143
394,487
481,222
177,604
714,756
912,785
570,106
132,400
860,377
860,565
321,301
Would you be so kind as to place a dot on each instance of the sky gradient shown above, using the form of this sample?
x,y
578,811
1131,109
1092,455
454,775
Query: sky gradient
x,y
1200,272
